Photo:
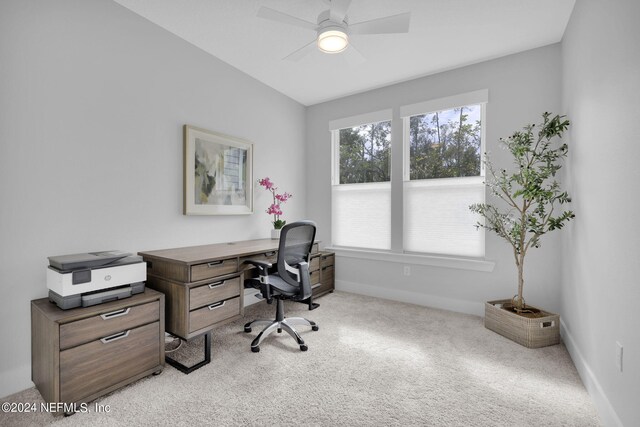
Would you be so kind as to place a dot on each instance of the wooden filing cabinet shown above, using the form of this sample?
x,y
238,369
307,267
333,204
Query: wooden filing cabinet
x,y
80,354
321,271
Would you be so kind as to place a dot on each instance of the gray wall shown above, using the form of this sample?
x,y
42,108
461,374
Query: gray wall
x,y
521,87
601,268
93,99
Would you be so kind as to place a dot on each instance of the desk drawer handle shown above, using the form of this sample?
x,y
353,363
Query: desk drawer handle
x,y
116,313
115,337
327,266
217,305
268,254
216,284
214,263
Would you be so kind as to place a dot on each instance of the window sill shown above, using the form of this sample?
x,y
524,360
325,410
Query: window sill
x,y
429,260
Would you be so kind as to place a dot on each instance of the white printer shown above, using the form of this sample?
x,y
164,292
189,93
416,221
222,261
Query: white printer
x,y
93,278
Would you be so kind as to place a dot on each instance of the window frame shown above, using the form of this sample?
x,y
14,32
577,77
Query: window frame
x,y
401,116
350,122
479,97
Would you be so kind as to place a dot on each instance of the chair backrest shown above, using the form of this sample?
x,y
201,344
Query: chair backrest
x,y
296,240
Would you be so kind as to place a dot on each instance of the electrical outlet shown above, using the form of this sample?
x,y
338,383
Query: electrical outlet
x,y
407,270
619,354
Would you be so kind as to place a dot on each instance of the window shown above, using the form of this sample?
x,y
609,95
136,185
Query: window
x,y
443,175
361,191
439,165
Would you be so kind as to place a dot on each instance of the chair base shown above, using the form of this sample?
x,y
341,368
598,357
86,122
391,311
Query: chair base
x,y
279,324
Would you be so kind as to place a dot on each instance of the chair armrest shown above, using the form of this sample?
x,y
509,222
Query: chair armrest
x,y
262,266
263,282
305,285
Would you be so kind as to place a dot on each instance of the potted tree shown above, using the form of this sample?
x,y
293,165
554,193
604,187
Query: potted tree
x,y
530,197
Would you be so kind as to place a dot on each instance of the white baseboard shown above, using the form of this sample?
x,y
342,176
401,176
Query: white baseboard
x,y
15,380
606,412
460,306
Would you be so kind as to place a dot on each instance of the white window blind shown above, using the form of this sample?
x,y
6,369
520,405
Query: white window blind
x,y
443,175
437,218
361,215
361,190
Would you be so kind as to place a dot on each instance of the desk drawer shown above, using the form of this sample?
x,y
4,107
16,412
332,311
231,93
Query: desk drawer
x,y
327,274
212,269
214,292
314,277
322,288
327,259
314,264
105,324
214,313
99,364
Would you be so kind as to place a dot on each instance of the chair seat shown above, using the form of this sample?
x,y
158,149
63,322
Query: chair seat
x,y
281,286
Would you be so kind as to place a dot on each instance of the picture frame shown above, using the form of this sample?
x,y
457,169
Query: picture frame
x,y
218,173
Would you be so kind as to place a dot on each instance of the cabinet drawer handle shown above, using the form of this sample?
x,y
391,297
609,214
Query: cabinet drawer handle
x,y
115,337
217,305
116,313
214,263
267,254
326,266
216,284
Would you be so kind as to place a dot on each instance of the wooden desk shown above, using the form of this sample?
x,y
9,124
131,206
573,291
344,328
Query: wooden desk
x,y
204,285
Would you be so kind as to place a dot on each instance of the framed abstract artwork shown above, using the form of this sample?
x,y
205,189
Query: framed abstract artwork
x,y
218,173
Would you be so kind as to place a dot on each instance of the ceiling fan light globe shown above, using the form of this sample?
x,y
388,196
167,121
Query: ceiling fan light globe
x,y
332,41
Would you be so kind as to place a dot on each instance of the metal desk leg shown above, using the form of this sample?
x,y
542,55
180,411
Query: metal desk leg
x,y
188,369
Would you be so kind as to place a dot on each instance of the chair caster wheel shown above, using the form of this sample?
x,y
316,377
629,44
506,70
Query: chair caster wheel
x,y
246,329
314,328
279,330
255,349
304,347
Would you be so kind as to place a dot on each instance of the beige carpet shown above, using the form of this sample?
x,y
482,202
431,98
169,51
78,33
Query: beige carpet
x,y
372,363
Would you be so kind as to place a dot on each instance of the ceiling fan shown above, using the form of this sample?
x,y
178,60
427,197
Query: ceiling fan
x,y
333,29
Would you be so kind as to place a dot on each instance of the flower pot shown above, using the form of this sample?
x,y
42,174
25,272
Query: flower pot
x,y
275,233
532,332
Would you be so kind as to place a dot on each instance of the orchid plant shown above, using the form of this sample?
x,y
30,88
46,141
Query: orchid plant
x,y
274,209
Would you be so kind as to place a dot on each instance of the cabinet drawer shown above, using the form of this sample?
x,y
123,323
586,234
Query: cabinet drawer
x,y
314,265
99,364
211,269
327,259
214,313
102,325
214,292
314,277
327,274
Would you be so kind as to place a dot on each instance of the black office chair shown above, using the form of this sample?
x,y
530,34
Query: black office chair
x,y
290,281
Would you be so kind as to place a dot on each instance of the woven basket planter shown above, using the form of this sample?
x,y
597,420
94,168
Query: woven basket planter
x,y
529,332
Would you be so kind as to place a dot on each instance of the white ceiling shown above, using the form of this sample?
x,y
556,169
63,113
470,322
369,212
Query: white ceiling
x,y
443,34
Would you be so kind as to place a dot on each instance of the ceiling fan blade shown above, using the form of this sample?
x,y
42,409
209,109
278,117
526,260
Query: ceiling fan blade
x,y
302,52
353,56
387,25
274,15
339,9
